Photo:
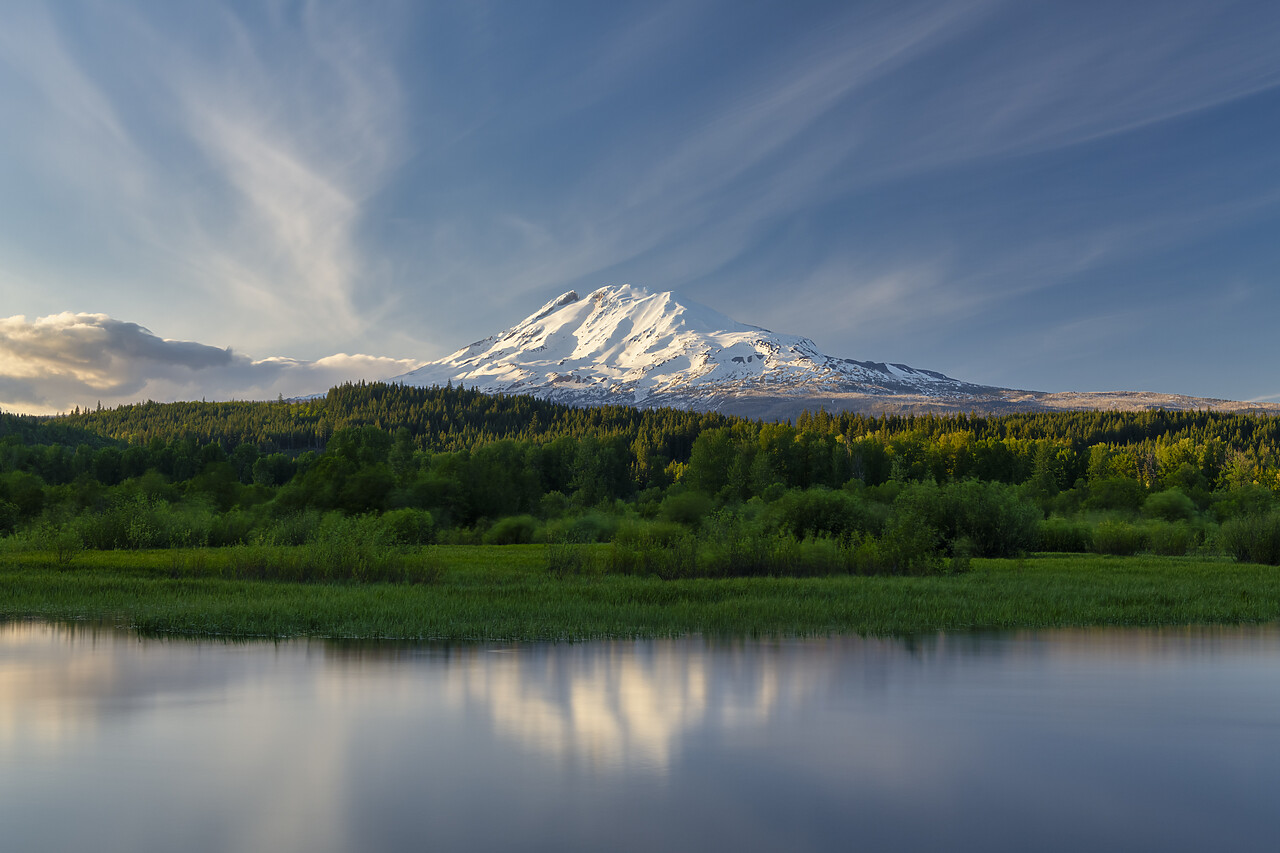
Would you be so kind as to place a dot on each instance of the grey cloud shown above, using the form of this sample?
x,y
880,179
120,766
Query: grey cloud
x,y
65,360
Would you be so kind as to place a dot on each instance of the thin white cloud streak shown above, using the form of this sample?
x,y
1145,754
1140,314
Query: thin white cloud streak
x,y
304,136
54,363
242,182
673,184
296,126
847,110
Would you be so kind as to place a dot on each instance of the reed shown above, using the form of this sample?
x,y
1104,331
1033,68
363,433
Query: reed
x,y
506,593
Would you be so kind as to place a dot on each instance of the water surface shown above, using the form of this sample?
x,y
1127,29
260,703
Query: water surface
x,y
1112,739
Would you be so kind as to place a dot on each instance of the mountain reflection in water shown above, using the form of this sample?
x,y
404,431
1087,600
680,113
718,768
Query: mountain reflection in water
x,y
1162,738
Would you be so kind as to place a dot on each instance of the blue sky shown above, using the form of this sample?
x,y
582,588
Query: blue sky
x,y
244,199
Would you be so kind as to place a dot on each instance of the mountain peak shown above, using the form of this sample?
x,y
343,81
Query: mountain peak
x,y
624,344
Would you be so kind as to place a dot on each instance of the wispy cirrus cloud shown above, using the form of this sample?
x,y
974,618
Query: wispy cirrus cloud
x,y
232,153
54,363
876,94
403,177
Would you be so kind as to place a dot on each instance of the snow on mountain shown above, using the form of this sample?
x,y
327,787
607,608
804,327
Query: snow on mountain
x,y
627,345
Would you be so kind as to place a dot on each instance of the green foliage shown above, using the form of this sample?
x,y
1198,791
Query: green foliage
x,y
512,530
995,519
1172,539
593,526
9,515
1169,505
1065,535
822,512
1118,538
409,526
62,541
1252,538
505,594
651,556
687,508
1115,493
457,466
569,559
1250,499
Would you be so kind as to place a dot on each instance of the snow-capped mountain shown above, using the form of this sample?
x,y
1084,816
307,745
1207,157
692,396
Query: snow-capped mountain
x,y
629,346
625,345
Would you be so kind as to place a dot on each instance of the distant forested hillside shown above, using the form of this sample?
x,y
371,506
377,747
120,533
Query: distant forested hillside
x,y
436,418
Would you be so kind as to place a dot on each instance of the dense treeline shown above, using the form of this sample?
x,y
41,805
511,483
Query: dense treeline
x,y
1244,446
436,419
862,493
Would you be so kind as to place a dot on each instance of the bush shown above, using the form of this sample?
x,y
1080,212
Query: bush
x,y
1118,538
350,550
1065,535
996,519
908,547
1171,540
632,532
822,512
296,528
231,528
1115,493
1245,500
1169,505
566,559
61,540
408,526
553,505
589,527
8,517
651,556
1252,538
688,508
512,530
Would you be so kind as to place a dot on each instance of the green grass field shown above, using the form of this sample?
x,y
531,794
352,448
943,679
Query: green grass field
x,y
506,593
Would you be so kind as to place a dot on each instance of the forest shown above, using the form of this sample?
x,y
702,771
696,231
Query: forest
x,y
673,493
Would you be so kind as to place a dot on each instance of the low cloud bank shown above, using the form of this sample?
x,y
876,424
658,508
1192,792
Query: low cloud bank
x,y
55,363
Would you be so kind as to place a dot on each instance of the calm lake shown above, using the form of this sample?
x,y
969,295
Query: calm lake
x,y
1058,740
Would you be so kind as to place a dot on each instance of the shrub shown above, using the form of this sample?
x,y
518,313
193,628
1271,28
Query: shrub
x,y
666,560
1251,499
1171,540
328,559
8,517
553,505
408,526
565,559
822,512
1115,493
1065,535
688,508
632,532
908,547
61,540
512,530
589,527
231,528
1169,505
1252,538
996,519
1118,538
296,528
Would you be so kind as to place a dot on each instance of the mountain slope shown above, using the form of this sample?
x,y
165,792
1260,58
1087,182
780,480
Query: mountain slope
x,y
625,345
629,346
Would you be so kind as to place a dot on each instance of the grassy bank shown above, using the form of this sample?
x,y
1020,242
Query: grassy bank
x,y
506,593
